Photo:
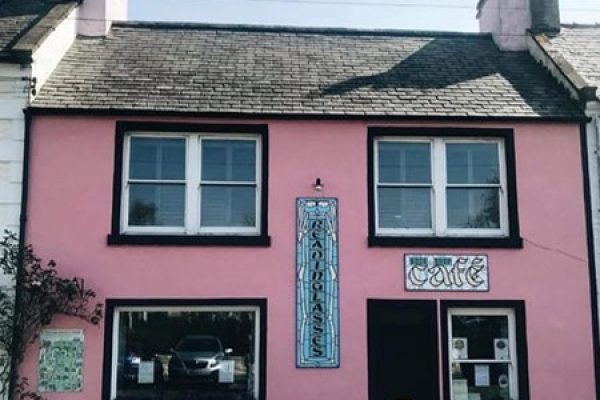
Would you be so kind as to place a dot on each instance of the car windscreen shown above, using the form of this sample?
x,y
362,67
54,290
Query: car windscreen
x,y
199,345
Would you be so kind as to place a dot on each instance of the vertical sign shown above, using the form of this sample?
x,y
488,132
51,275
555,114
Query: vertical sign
x,y
61,361
317,285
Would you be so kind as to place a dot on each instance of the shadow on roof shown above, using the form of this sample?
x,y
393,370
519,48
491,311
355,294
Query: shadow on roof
x,y
450,63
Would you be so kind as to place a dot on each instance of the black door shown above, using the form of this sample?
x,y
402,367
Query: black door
x,y
403,351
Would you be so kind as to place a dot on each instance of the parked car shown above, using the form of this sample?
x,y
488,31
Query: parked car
x,y
196,358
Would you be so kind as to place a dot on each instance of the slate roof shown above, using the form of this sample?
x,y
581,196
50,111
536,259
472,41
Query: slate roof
x,y
580,46
17,17
194,68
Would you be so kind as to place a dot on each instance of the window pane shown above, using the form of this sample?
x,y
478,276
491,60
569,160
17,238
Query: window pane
x,y
186,355
404,162
472,163
156,205
473,208
226,206
229,160
404,207
153,158
484,337
480,381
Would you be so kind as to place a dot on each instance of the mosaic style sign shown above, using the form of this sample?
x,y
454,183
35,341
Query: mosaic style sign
x,y
317,284
446,273
61,361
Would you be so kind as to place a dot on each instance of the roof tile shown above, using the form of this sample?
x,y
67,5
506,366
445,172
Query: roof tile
x,y
202,68
580,46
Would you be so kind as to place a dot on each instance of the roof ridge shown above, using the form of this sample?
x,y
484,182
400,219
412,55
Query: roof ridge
x,y
47,8
295,29
578,25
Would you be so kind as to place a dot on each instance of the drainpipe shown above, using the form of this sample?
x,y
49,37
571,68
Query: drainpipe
x,y
597,118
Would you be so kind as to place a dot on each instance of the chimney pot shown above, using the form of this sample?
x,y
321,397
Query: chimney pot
x,y
545,16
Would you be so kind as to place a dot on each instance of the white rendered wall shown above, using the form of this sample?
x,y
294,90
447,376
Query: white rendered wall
x,y
54,47
593,134
14,97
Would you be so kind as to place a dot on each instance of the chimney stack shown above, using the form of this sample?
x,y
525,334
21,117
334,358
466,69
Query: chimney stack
x,y
509,21
96,16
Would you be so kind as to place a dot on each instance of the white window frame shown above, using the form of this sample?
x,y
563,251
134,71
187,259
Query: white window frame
x,y
192,207
513,369
439,220
115,334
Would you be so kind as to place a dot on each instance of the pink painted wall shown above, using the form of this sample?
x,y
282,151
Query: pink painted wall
x,y
70,215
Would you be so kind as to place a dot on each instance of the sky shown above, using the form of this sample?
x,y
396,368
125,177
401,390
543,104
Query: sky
x,y
448,15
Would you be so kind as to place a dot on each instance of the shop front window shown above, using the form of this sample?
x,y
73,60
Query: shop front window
x,y
482,354
173,353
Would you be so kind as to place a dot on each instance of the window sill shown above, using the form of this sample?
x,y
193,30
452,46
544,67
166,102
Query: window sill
x,y
189,240
447,242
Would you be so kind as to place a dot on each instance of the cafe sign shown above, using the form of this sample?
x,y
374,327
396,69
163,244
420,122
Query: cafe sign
x,y
317,284
459,273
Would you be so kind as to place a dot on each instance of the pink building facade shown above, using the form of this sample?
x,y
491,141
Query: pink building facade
x,y
519,326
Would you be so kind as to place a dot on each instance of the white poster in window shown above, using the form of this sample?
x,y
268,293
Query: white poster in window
x,y
460,389
227,371
482,375
474,396
146,372
460,348
501,349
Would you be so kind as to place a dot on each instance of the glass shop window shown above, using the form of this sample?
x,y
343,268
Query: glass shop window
x,y
208,353
483,364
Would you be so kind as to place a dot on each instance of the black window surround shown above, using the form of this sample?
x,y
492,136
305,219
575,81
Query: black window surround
x,y
117,237
512,240
520,330
111,304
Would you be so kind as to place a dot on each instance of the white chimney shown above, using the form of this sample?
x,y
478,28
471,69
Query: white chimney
x,y
510,20
96,16
507,20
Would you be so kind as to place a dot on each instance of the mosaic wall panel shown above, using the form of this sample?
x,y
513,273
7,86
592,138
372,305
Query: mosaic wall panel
x,y
61,361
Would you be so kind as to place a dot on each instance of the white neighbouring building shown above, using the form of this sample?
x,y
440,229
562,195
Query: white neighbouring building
x,y
34,36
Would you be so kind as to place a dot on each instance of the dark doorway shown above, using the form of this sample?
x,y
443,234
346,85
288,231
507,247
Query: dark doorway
x,y
403,350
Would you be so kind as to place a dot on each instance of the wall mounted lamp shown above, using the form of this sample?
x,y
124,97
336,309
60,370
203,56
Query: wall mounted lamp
x,y
318,185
